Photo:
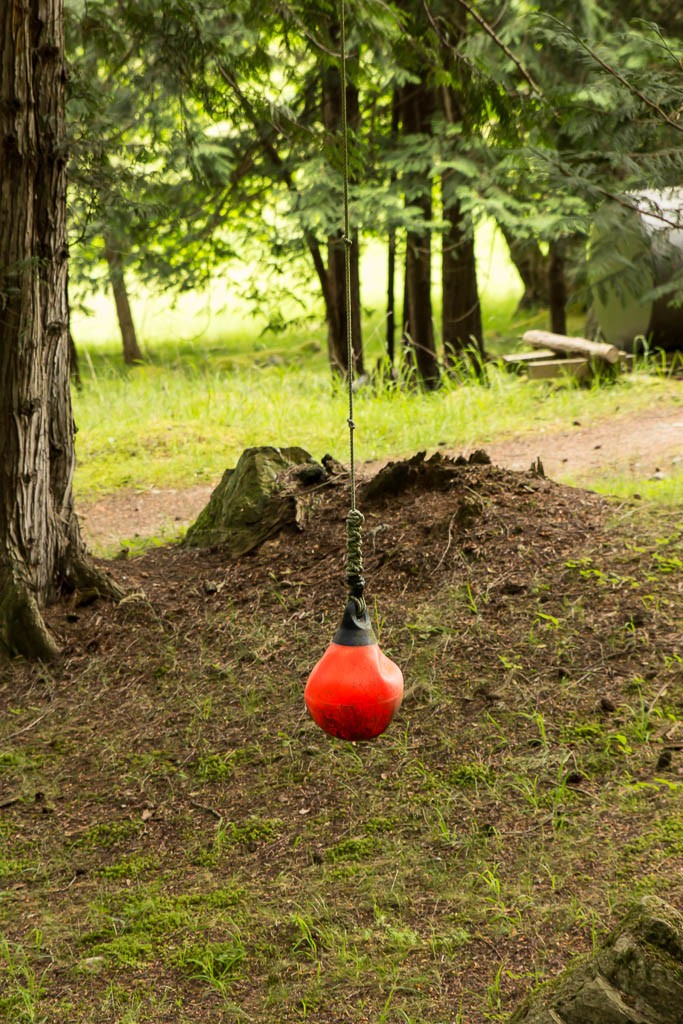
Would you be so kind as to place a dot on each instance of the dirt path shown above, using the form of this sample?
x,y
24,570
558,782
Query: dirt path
x,y
640,445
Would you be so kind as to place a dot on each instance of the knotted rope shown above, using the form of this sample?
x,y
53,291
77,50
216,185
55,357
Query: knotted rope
x,y
355,518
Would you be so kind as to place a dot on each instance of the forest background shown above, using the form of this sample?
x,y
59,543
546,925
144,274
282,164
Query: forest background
x,y
205,175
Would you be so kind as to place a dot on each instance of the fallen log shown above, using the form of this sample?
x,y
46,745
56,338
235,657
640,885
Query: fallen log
x,y
575,346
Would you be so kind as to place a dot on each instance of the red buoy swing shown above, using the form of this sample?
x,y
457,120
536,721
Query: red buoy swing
x,y
354,690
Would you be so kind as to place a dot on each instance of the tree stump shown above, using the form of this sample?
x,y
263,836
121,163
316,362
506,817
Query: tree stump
x,y
256,499
636,978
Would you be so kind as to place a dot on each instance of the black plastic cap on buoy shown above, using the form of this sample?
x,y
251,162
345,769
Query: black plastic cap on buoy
x,y
355,628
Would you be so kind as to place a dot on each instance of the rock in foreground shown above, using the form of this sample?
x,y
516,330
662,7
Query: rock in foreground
x,y
636,978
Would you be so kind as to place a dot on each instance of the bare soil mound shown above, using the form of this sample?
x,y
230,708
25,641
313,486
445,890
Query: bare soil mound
x,y
639,444
424,524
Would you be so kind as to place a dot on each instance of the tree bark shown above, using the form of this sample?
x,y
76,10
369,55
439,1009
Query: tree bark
x,y
391,248
336,267
557,288
74,368
532,266
114,257
417,107
461,310
41,551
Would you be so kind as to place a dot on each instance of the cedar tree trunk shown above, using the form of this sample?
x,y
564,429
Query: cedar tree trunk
x,y
129,339
532,266
461,311
336,272
417,108
557,289
41,551
391,247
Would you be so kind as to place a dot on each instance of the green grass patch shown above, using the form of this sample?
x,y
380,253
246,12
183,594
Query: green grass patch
x,y
664,490
184,422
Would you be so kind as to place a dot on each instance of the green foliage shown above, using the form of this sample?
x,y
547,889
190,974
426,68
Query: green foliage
x,y
202,136
219,964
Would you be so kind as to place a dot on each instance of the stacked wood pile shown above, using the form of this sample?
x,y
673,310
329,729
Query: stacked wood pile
x,y
556,355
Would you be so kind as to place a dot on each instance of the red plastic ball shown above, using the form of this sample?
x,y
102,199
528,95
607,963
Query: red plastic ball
x,y
354,692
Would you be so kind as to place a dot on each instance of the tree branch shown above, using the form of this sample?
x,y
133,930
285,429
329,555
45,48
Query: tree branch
x,y
490,31
270,150
633,89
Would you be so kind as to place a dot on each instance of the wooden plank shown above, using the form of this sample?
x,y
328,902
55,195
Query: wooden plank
x,y
521,358
546,369
579,346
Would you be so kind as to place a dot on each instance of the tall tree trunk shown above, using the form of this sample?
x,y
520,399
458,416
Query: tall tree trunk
x,y
337,342
557,288
336,272
461,325
74,368
391,248
114,257
532,266
41,551
461,311
391,297
417,108
265,133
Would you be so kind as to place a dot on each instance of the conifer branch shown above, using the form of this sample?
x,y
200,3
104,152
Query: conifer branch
x,y
490,31
633,89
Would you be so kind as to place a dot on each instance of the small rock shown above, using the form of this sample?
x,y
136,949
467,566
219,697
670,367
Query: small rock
x,y
332,465
575,778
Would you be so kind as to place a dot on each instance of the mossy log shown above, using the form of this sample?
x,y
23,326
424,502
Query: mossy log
x,y
635,978
256,499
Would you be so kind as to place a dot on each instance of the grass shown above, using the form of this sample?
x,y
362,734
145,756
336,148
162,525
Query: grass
x,y
665,491
184,421
208,855
179,843
214,384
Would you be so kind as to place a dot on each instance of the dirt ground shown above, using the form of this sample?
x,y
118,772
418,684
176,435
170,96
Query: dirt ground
x,y
640,445
529,786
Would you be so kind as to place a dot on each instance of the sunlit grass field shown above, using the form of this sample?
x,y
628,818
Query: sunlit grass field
x,y
214,383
